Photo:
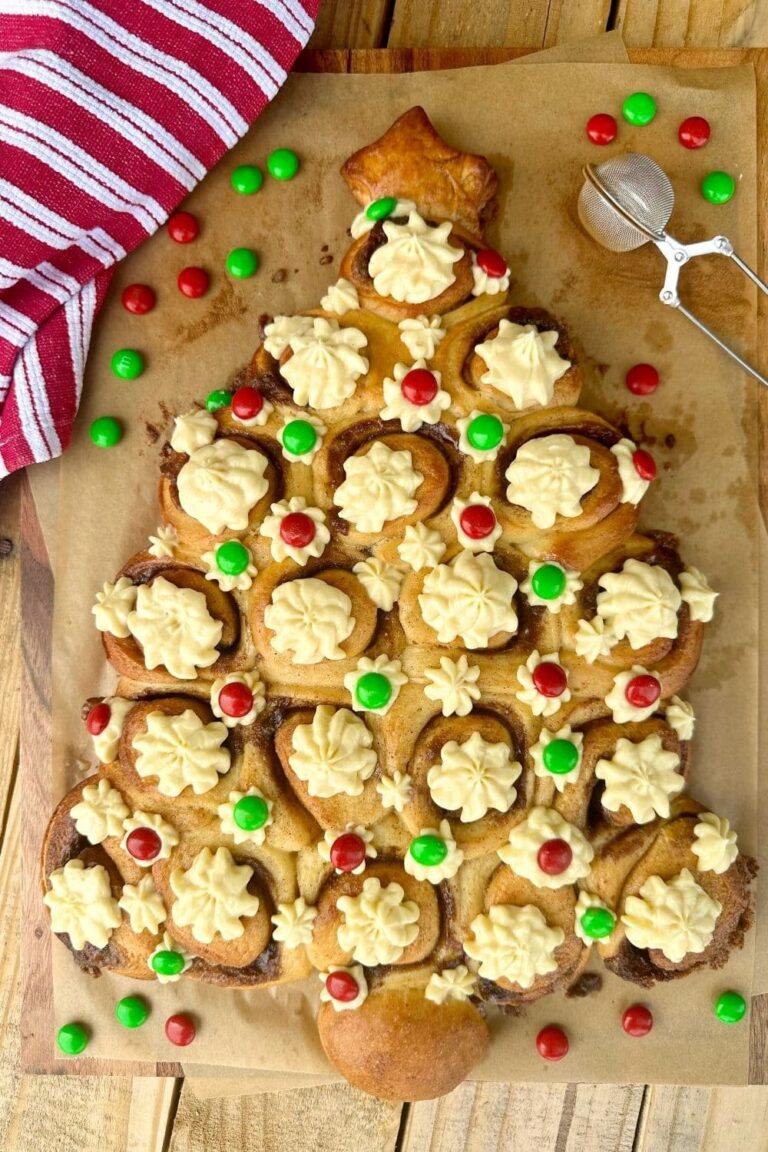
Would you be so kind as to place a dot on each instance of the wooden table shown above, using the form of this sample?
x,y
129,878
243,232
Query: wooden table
x,y
87,1114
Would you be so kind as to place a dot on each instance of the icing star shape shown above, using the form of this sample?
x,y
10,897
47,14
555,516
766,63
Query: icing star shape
x,y
212,896
398,407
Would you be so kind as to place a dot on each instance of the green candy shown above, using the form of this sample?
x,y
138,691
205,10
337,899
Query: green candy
x,y
485,433
127,363
251,813
283,164
72,1039
167,963
548,582
639,108
220,398
106,432
247,179
242,263
131,1012
597,923
718,187
560,756
380,209
232,558
429,851
373,690
730,1007
299,437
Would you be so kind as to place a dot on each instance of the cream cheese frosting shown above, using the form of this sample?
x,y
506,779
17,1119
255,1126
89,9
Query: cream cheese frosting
x,y
341,297
106,742
416,262
421,335
522,363
572,585
279,333
220,484
640,603
593,639
100,812
357,973
293,923
451,984
381,581
586,901
474,776
310,619
679,715
143,905
255,685
304,457
212,896
331,836
113,606
469,599
421,547
398,407
525,840
226,581
174,628
485,285
622,710
230,826
715,845
633,486
395,790
166,834
193,430
380,485
642,777
446,868
549,477
559,779
326,364
163,545
81,904
382,665
378,924
479,455
168,944
482,543
363,223
513,943
698,595
676,917
529,694
334,754
279,548
453,685
182,752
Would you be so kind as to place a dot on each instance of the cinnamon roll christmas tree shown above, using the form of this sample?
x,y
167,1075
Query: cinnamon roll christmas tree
x,y
398,699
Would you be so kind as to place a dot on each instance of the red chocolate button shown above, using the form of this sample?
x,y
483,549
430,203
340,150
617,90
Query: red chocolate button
x,y
297,529
419,386
643,691
637,1020
348,852
193,282
143,843
552,1043
98,718
235,699
492,263
644,463
694,132
183,227
642,379
477,521
549,678
180,1029
554,856
247,402
138,299
342,986
602,128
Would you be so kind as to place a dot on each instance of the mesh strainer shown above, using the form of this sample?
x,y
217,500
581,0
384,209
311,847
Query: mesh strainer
x,y
626,202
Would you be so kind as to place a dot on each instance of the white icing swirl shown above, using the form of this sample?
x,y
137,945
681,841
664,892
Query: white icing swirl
x,y
479,455
166,834
632,484
395,790
383,665
529,694
483,543
231,828
182,752
559,779
163,545
220,484
549,477
586,901
677,917
640,602
398,407
453,685
421,547
212,896
326,364
451,984
514,944
358,974
522,364
679,715
113,606
446,868
168,944
253,683
305,457
568,595
716,845
421,335
81,904
341,297
469,599
525,840
474,776
379,486
100,812
698,595
193,430
279,333
332,835
257,421
622,711
379,923
229,583
416,262
593,639
293,923
174,628
362,223
143,905
334,754
310,619
381,581
279,548
106,743
485,285
642,777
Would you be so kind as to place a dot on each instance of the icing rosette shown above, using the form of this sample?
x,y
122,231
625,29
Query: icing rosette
x,y
100,812
484,284
633,485
297,531
676,917
549,585
293,923
310,444
332,835
557,756
451,984
421,335
543,691
416,262
114,604
469,599
229,581
584,905
310,619
279,333
166,945
257,421
163,545
679,715
488,431
513,943
81,904
716,845
357,973
433,855
522,363
542,826
698,595
340,298
461,516
421,547
412,415
640,603
220,484
242,824
363,223
594,639
166,834
474,776
334,754
549,477
252,682
182,752
395,790
106,742
326,364
379,486
375,684
174,628
453,685
212,896
193,430
378,924
380,580
143,905
623,709
642,777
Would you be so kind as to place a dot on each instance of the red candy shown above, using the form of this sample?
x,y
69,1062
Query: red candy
x,y
554,856
193,282
643,691
143,843
98,718
247,402
342,986
477,521
644,463
419,386
552,1043
694,132
297,529
138,299
348,852
642,379
235,699
549,678
637,1020
180,1029
602,128
492,263
183,227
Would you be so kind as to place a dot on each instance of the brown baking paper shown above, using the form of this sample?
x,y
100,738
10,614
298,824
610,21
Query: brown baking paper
x,y
528,119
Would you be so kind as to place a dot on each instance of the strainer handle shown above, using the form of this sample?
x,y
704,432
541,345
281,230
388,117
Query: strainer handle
x,y
720,343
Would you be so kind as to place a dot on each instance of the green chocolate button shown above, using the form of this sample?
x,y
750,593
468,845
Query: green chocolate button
x,y
131,1011
232,558
251,813
380,209
373,690
299,437
428,850
718,187
220,398
730,1007
560,756
597,923
167,963
106,432
242,263
485,432
283,164
548,582
127,363
639,108
72,1039
247,179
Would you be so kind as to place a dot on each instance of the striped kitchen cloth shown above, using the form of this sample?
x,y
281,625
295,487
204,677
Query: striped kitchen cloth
x,y
110,112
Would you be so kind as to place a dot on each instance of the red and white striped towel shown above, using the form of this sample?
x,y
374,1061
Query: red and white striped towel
x,y
110,112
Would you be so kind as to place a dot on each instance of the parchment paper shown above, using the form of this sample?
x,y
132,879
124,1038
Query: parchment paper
x,y
529,121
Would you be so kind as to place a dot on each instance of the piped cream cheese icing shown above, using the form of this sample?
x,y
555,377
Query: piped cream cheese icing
x,y
677,917
326,364
220,484
559,779
363,223
474,777
642,777
293,923
212,896
100,812
331,836
398,407
81,904
106,742
378,924
586,901
513,943
715,845
380,580
549,477
416,262
451,984
168,944
164,543
621,709
523,364
229,582
166,834
640,603
634,487
341,297
698,595
229,825
479,455
679,715
421,335
193,430
529,694
255,685
472,543
174,628
469,599
525,840
453,685
593,639
357,972
143,905
310,619
486,285
334,754
421,547
444,869
280,548
380,485
395,790
571,587
282,330
381,665
113,606
182,752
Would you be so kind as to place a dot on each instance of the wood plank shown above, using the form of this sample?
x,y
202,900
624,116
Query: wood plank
x,y
453,23
151,1112
10,569
351,24
707,1119
693,23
